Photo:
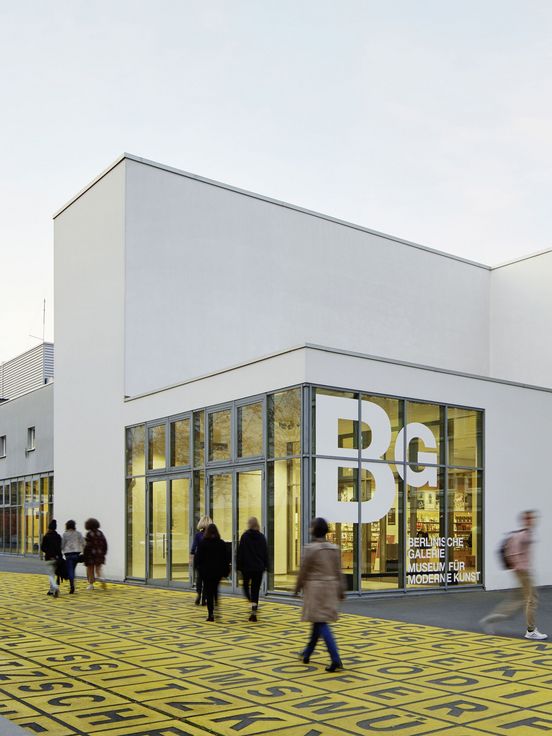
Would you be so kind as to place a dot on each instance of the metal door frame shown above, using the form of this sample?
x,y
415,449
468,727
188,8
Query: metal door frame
x,y
233,472
167,480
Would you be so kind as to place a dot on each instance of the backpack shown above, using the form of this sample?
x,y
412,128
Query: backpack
x,y
503,554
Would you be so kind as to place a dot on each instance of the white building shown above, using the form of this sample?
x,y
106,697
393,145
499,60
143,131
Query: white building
x,y
26,449
221,352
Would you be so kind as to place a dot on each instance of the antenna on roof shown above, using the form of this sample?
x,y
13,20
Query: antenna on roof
x,y
35,337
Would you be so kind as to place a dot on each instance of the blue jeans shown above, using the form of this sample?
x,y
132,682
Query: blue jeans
x,y
71,560
322,629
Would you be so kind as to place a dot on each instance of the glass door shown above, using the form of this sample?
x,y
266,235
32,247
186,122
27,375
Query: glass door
x,y
158,548
168,523
233,497
221,505
180,530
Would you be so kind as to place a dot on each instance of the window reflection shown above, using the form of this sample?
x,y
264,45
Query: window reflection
x,y
250,430
156,447
431,416
136,528
393,409
199,438
284,522
135,450
380,557
219,435
425,530
464,437
464,514
284,423
180,442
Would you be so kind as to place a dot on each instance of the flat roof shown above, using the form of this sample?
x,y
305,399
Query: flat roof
x,y
287,205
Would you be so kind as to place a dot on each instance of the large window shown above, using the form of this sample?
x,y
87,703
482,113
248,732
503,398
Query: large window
x,y
180,442
25,512
384,476
250,430
157,451
284,522
400,482
220,437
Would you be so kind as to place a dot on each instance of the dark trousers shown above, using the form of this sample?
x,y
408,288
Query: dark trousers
x,y
252,585
322,629
71,562
199,586
210,591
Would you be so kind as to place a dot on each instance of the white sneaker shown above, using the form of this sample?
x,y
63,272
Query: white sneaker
x,y
90,587
535,634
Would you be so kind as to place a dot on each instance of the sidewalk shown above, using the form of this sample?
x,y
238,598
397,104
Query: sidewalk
x,y
137,661
455,610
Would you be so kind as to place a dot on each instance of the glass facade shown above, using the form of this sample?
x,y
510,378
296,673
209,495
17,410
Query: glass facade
x,y
25,512
400,482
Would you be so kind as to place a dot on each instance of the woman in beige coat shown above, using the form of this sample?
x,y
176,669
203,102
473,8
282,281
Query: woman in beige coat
x,y
321,581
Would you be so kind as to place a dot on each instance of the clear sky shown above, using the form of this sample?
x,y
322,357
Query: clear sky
x,y
430,120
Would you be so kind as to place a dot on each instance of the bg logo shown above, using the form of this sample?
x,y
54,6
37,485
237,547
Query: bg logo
x,y
329,410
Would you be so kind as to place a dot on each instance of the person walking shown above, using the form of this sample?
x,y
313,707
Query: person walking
x,y
202,525
51,547
72,545
322,584
213,563
95,550
518,557
252,561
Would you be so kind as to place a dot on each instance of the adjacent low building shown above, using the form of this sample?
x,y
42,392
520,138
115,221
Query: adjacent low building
x,y
220,352
26,449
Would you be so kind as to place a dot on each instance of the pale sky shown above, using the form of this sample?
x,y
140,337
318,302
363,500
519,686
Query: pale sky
x,y
429,119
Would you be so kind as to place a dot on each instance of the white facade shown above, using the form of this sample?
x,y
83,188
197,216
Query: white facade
x,y
33,409
174,293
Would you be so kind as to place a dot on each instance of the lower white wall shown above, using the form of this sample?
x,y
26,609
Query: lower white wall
x,y
518,426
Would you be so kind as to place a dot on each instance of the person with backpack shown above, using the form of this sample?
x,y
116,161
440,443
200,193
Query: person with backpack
x,y
51,547
95,549
72,546
252,561
516,555
322,583
213,563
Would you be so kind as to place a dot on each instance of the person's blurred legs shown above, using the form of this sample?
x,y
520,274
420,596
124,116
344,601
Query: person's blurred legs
x,y
326,634
71,561
309,649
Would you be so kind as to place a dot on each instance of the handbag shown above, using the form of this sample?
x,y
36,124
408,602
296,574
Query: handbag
x,y
61,569
80,558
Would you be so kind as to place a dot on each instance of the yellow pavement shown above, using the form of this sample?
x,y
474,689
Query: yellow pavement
x,y
132,661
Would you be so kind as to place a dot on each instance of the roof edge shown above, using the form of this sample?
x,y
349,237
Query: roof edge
x,y
25,352
90,184
270,200
536,254
338,351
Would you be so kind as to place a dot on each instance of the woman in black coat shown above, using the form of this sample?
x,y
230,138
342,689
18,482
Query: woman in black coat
x,y
252,560
213,563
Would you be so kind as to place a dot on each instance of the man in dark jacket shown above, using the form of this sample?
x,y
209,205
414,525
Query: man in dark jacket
x,y
51,547
252,560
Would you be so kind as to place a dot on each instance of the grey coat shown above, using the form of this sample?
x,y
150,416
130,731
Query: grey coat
x,y
321,581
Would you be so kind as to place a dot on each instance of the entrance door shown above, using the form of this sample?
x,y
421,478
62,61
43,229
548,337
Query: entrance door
x,y
158,548
168,505
180,530
233,497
